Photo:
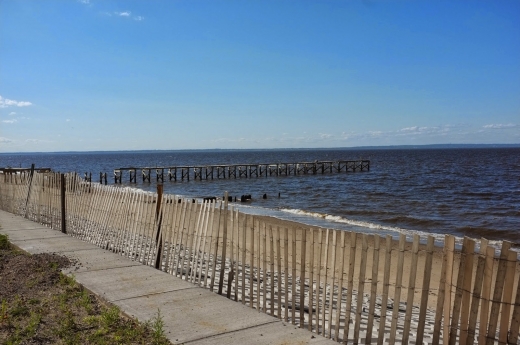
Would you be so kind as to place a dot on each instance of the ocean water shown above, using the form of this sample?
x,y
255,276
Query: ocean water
x,y
464,192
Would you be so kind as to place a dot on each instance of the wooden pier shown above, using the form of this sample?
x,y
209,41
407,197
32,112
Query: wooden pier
x,y
234,171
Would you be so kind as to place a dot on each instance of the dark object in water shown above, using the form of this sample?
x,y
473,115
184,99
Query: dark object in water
x,y
245,198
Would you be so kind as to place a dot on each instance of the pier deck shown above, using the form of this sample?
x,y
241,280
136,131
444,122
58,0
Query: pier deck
x,y
234,171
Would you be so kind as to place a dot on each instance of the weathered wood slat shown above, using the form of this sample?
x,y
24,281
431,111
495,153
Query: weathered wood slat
x,y
361,285
411,289
425,289
332,282
397,291
340,285
497,293
351,267
386,288
507,296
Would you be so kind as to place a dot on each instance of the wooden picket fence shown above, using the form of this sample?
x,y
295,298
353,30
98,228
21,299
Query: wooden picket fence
x,y
347,286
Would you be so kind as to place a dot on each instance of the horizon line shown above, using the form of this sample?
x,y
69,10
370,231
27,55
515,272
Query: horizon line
x,y
286,148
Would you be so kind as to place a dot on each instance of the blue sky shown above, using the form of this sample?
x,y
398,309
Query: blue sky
x,y
129,75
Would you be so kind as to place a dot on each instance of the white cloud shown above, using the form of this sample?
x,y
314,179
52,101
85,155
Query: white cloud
x,y
409,129
10,121
5,140
6,102
139,18
500,126
86,2
12,113
67,120
325,136
123,14
37,141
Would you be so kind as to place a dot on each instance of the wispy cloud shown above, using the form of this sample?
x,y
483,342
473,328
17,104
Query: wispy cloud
x,y
12,113
85,2
6,102
126,14
10,121
5,140
500,126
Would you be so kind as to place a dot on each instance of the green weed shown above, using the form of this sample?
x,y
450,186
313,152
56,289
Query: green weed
x,y
157,325
4,242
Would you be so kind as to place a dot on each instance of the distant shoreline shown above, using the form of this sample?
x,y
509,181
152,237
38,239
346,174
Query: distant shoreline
x,y
353,148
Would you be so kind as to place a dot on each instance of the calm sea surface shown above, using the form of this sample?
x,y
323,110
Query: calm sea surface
x,y
464,192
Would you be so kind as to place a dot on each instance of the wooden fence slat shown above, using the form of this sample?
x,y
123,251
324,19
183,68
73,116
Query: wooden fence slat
x,y
192,240
397,290
303,253
318,283
477,289
204,263
467,251
411,289
515,319
258,272
311,279
251,263
332,283
150,228
361,285
340,285
209,274
196,242
279,273
215,242
489,253
122,238
497,293
231,253
466,295
187,250
373,290
236,256
386,288
425,289
293,278
271,262
286,273
507,296
326,267
449,245
224,245
177,237
134,231
264,267
170,232
244,266
350,288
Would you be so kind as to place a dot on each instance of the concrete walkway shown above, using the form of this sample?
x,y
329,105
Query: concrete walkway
x,y
192,315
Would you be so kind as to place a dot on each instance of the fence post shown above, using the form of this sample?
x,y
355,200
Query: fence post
x,y
158,217
63,216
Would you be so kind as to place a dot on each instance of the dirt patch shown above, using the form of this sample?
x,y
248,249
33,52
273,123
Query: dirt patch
x,y
24,274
